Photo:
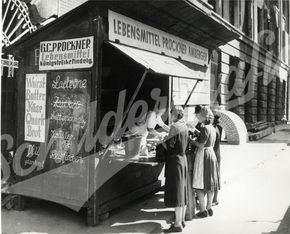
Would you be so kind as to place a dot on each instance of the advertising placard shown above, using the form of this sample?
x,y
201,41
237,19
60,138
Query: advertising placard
x,y
35,102
66,54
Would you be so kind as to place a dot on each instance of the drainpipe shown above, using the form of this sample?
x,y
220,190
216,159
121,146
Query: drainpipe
x,y
288,98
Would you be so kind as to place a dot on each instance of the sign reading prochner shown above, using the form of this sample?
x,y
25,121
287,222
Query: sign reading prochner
x,y
134,33
35,101
66,54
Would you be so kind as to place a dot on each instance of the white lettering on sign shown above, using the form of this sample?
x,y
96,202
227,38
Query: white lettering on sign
x,y
66,54
35,98
68,83
134,33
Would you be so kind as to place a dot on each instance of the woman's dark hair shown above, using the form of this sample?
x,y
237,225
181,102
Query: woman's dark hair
x,y
216,120
197,109
179,116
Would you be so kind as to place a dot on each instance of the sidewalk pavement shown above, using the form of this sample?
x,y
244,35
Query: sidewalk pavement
x,y
255,198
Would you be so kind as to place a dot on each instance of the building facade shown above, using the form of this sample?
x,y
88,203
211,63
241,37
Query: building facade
x,y
47,8
249,75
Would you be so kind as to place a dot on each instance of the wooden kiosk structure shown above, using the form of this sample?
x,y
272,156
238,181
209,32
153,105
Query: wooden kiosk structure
x,y
71,101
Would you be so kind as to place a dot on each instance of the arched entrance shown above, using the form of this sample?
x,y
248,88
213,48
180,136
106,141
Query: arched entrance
x,y
234,127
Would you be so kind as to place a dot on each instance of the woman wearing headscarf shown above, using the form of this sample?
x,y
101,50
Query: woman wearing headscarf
x,y
205,171
176,174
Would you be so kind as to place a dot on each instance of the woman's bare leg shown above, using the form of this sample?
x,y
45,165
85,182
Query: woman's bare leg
x,y
183,213
215,197
200,195
210,195
178,216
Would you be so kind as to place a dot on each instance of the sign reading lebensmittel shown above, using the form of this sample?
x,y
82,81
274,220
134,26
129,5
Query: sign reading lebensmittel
x,y
66,54
133,33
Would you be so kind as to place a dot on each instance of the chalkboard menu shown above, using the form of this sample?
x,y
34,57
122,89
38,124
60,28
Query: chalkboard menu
x,y
68,105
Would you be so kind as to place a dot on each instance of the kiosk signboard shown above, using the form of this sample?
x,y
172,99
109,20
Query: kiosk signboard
x,y
66,54
137,34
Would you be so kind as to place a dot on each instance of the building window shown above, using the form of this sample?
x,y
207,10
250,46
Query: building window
x,y
276,26
285,7
232,12
226,11
240,14
260,19
246,19
213,4
268,25
285,30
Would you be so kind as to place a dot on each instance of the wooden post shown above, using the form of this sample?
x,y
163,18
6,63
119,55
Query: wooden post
x,y
19,200
97,30
189,96
170,101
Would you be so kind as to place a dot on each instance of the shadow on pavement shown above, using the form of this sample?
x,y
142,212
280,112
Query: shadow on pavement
x,y
145,215
284,227
149,209
42,208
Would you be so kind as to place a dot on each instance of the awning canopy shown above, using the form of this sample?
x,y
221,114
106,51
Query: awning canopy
x,y
159,63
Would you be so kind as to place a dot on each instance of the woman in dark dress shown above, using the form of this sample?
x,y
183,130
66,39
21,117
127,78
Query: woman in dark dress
x,y
218,128
175,194
205,171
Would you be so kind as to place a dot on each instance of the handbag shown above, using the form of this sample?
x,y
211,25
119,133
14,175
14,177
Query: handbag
x,y
161,152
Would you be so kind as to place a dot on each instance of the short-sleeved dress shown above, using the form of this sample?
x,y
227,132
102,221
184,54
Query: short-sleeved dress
x,y
176,173
205,171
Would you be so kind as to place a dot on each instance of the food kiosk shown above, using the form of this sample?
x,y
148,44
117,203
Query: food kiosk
x,y
84,79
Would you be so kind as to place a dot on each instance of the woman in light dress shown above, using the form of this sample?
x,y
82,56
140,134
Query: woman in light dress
x,y
205,171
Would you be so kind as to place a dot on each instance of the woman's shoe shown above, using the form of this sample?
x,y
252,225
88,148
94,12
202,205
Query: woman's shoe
x,y
173,229
183,224
202,214
210,212
215,203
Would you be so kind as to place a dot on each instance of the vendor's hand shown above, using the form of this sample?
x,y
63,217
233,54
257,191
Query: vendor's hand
x,y
162,135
